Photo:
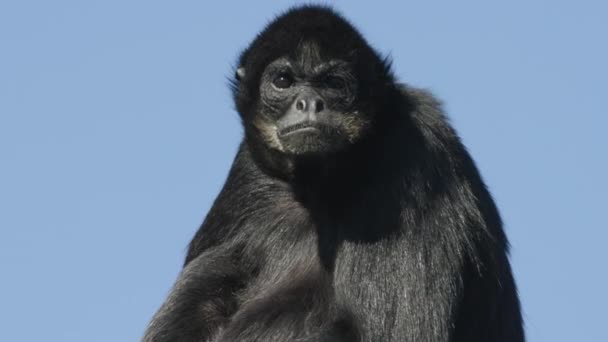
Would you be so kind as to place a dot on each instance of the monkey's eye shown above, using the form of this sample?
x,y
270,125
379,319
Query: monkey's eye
x,y
283,81
334,82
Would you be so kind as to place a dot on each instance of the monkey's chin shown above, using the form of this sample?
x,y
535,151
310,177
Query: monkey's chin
x,y
311,142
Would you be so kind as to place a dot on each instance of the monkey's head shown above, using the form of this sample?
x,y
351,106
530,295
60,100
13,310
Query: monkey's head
x,y
309,85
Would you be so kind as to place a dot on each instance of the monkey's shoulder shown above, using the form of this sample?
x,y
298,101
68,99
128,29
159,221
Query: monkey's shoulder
x,y
427,113
420,96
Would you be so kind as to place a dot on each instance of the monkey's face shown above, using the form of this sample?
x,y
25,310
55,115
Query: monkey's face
x,y
308,105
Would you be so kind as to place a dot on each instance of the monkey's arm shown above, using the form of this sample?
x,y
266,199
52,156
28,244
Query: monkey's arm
x,y
202,299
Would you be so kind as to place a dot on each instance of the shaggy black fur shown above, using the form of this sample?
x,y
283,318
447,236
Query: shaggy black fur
x,y
392,238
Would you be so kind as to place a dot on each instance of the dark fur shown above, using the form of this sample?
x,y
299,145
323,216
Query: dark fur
x,y
394,239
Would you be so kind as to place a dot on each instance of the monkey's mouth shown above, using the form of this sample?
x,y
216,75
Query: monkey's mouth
x,y
302,127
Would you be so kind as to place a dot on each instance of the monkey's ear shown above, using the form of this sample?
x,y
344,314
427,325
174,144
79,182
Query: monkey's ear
x,y
240,73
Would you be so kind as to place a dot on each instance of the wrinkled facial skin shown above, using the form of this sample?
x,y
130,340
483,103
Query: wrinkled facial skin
x,y
308,106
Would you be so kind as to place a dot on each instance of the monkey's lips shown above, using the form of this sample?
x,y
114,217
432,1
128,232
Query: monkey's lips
x,y
310,137
307,127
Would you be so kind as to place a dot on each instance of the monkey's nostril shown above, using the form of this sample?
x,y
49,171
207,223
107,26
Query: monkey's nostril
x,y
300,105
319,106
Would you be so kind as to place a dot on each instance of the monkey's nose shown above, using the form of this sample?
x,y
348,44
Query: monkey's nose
x,y
310,104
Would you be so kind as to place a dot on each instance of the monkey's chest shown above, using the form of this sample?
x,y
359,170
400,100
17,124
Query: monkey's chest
x,y
316,288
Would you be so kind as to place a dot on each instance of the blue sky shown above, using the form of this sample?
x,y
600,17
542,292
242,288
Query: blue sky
x,y
117,131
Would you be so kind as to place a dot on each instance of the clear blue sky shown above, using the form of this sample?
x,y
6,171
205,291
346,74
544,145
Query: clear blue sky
x,y
117,131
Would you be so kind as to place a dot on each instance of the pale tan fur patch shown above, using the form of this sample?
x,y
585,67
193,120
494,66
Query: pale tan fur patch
x,y
268,133
353,126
